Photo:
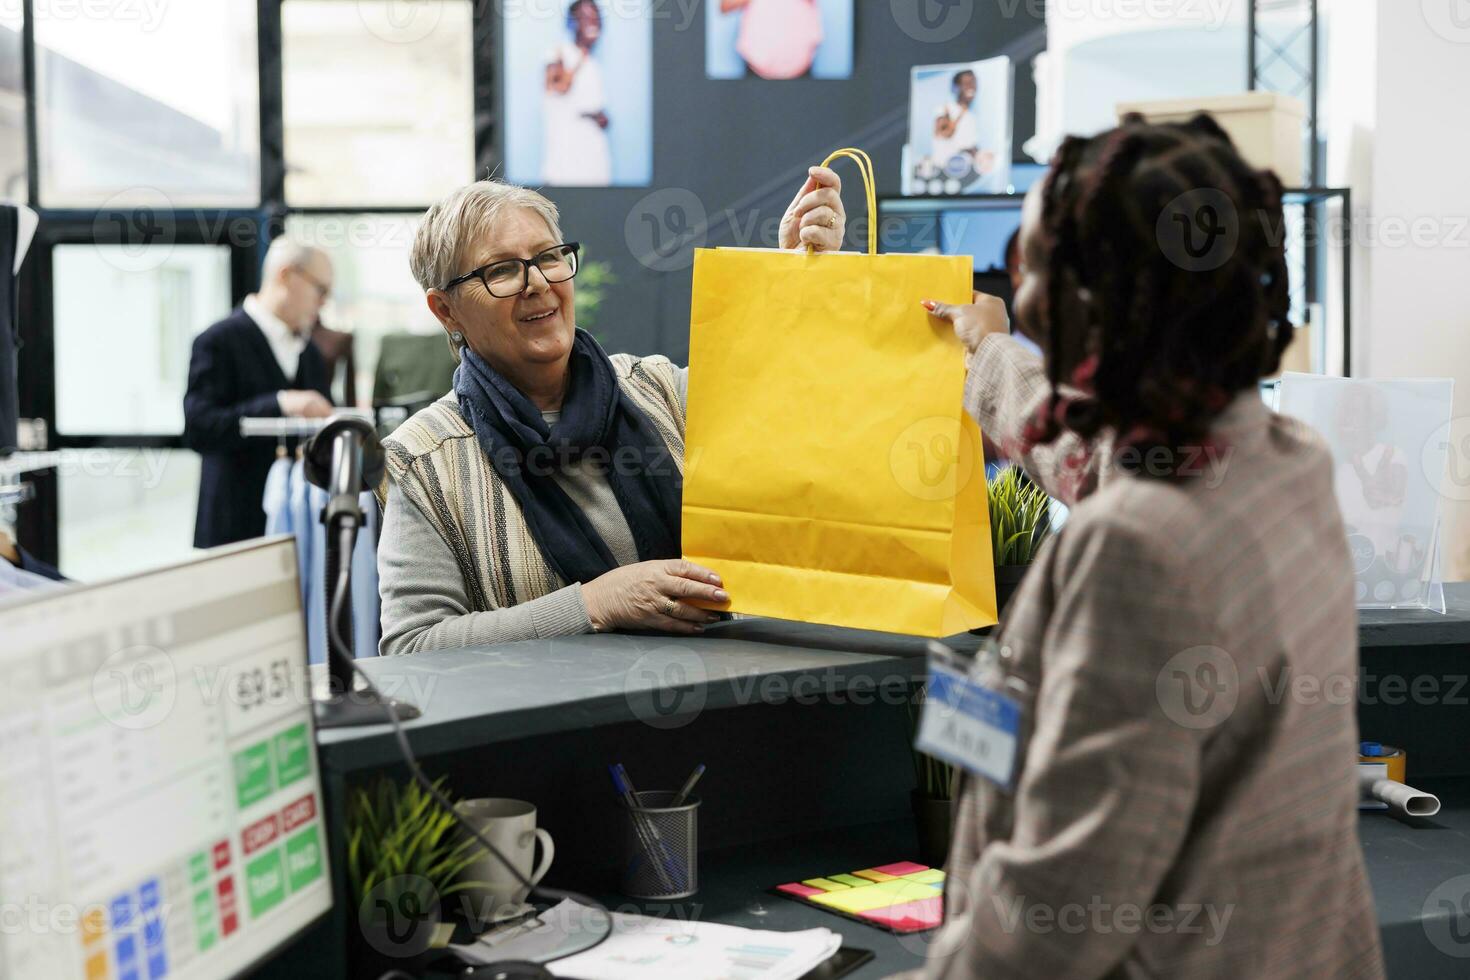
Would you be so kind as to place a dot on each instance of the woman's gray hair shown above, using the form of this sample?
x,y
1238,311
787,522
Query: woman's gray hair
x,y
465,216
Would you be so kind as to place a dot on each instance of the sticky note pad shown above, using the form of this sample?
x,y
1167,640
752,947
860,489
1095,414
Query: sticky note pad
x,y
873,874
852,881
876,895
928,877
902,868
798,889
825,884
927,913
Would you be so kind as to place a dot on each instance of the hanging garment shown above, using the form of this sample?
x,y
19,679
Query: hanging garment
x,y
303,521
14,580
9,328
366,627
277,489
293,506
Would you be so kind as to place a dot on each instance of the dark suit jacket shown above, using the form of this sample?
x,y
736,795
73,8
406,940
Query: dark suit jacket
x,y
233,375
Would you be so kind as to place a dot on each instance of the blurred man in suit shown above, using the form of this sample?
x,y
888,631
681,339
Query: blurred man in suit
x,y
256,362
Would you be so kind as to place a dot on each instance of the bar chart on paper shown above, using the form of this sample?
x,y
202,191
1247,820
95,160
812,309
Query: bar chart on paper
x,y
643,948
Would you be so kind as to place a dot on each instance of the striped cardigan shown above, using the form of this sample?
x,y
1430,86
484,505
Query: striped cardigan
x,y
438,465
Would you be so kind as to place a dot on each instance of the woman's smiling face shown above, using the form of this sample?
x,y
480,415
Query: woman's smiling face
x,y
530,329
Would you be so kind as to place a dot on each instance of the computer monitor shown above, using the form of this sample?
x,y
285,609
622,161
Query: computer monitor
x,y
162,811
978,227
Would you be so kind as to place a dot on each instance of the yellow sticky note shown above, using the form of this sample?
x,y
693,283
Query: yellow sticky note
x,y
929,876
876,896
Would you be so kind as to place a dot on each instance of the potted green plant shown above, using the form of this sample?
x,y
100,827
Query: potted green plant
x,y
593,278
933,798
1020,522
405,855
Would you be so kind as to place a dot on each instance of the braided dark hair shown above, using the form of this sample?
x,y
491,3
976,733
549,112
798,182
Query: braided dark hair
x,y
1156,334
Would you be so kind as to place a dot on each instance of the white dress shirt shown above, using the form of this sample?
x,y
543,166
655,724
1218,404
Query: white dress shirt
x,y
285,343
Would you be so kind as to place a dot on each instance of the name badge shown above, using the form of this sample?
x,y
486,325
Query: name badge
x,y
968,724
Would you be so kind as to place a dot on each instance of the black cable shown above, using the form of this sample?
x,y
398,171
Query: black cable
x,y
348,540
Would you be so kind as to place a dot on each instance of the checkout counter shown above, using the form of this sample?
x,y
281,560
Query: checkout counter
x,y
805,732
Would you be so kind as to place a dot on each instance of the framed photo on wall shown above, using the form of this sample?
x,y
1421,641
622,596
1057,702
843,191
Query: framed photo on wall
x,y
578,87
778,39
960,119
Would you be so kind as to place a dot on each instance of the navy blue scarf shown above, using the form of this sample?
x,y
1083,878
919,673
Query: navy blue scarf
x,y
596,423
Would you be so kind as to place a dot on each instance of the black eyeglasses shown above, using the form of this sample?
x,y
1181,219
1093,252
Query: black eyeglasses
x,y
323,291
508,277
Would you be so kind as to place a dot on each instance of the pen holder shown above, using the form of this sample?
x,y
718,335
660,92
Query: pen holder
x,y
660,847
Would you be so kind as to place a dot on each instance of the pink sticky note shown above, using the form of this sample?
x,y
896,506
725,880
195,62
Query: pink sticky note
x,y
799,890
926,913
901,868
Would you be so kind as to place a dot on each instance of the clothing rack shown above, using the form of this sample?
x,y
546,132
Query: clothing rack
x,y
13,491
13,494
17,463
293,428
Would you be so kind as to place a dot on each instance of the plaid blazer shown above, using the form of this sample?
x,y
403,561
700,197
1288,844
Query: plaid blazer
x,y
1186,652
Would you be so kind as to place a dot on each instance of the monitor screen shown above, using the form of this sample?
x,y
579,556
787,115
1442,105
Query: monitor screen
x,y
162,809
978,227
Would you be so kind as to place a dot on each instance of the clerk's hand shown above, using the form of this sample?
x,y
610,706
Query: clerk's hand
x,y
973,322
816,216
305,404
651,594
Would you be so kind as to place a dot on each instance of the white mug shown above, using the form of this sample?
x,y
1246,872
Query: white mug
x,y
511,826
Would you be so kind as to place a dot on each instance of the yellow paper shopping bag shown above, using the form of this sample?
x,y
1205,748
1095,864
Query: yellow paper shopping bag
x,y
831,474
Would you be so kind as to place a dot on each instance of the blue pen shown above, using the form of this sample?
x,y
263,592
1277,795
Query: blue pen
x,y
641,825
660,849
683,794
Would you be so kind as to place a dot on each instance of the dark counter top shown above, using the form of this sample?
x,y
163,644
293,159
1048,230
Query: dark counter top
x,y
1417,627
1411,865
1407,863
1420,870
480,696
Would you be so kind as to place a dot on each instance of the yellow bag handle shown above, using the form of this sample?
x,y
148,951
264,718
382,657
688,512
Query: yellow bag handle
x,y
865,166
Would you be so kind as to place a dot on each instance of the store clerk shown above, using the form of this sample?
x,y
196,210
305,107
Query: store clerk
x,y
1169,816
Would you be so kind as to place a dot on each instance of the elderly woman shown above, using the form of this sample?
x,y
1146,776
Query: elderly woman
x,y
541,497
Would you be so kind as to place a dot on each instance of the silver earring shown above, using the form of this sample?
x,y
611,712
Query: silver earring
x,y
457,339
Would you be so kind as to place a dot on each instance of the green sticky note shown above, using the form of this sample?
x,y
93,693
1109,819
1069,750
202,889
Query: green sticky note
x,y
929,876
198,868
253,774
265,882
293,760
852,881
825,884
876,896
304,858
